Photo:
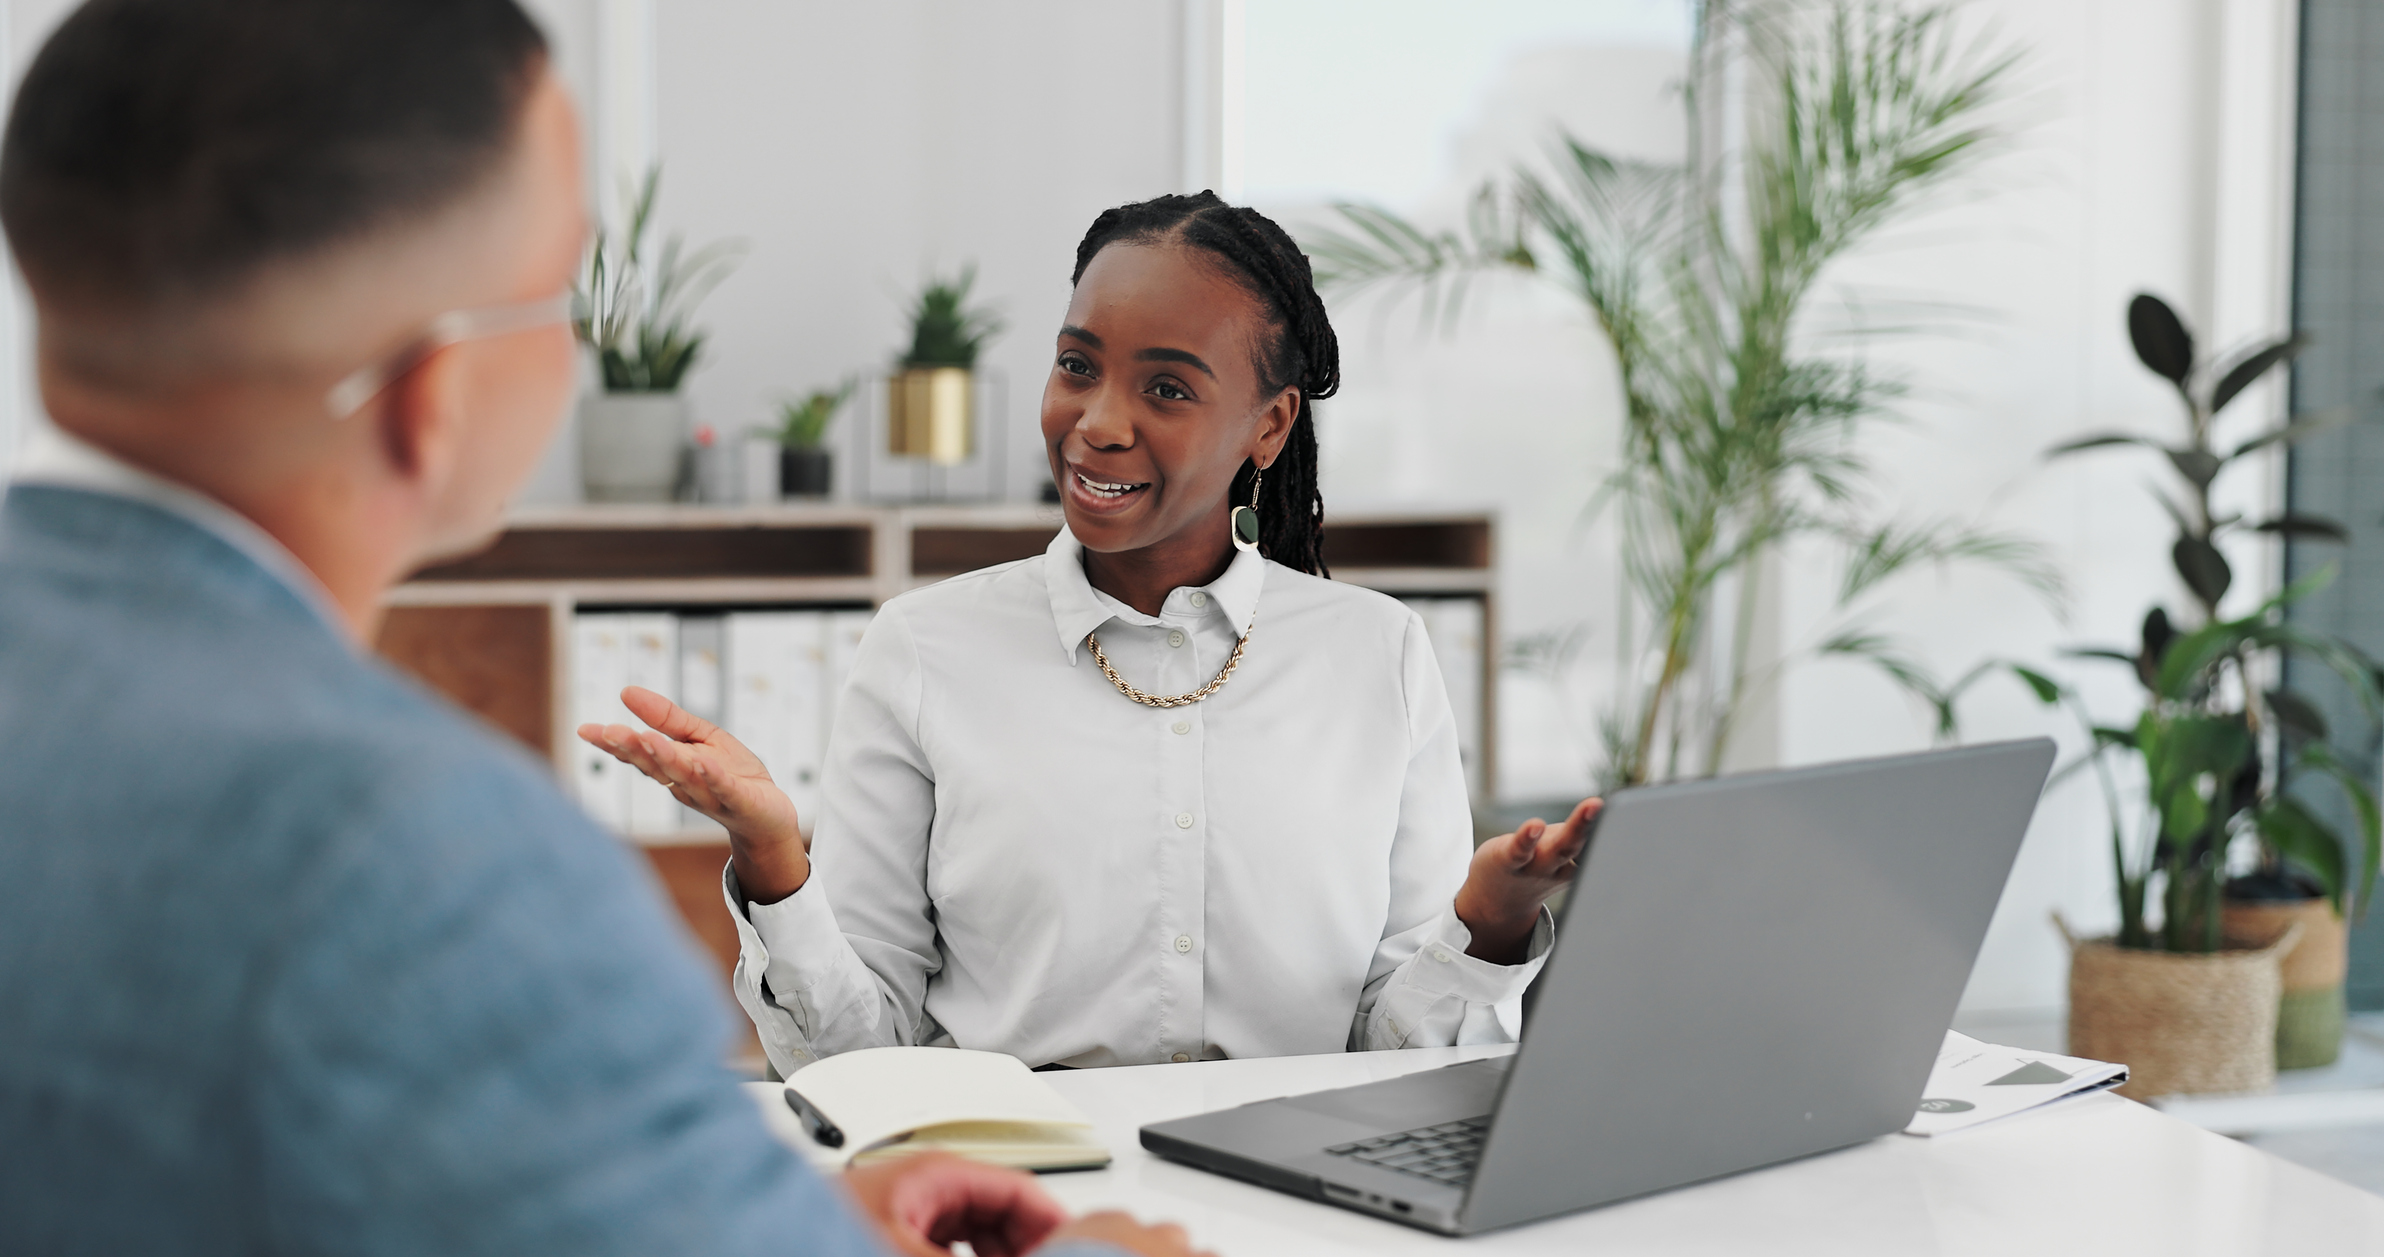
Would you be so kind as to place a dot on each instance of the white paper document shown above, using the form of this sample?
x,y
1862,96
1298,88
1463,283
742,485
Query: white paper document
x,y
1975,1083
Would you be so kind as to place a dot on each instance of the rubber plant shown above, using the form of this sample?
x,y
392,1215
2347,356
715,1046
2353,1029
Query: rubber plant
x,y
2227,755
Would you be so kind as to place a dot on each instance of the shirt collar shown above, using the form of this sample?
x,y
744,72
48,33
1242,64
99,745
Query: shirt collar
x,y
53,457
1077,608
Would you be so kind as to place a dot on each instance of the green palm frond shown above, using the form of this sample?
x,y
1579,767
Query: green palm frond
x,y
1740,436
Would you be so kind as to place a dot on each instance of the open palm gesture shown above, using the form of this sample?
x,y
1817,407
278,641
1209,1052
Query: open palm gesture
x,y
712,772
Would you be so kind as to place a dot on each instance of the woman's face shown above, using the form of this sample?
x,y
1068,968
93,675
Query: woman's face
x,y
1153,402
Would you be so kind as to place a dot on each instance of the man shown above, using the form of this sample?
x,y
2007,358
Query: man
x,y
292,956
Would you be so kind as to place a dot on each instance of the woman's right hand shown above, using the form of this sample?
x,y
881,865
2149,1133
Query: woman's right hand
x,y
713,773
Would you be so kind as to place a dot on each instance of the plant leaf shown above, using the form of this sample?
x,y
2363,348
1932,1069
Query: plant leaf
x,y
2297,716
2099,652
2160,338
2252,366
2292,525
2185,661
2203,568
2098,441
1909,674
2183,813
1875,555
2158,635
2199,466
2338,657
2047,690
2175,512
2215,744
2287,829
2360,888
2180,752
2297,431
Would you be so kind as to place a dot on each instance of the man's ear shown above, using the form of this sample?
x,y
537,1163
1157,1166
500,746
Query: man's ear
x,y
420,421
1274,427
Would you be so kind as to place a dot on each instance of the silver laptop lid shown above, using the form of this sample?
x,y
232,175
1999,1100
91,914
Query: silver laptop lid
x,y
1752,969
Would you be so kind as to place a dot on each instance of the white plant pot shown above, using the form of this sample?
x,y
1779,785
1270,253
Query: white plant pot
x,y
631,445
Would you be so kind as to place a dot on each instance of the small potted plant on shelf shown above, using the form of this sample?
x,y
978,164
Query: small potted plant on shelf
x,y
2188,992
634,311
806,467
928,408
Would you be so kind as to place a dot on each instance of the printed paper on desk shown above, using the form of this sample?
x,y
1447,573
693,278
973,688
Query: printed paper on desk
x,y
1976,1082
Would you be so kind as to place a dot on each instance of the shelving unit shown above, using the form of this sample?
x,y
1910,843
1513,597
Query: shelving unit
x,y
493,631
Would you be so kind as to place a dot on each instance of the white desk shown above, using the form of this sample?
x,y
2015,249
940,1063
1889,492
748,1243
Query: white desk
x,y
2099,1177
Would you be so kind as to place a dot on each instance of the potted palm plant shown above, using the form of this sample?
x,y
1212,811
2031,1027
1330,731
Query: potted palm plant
x,y
2190,992
929,409
1740,437
806,467
634,311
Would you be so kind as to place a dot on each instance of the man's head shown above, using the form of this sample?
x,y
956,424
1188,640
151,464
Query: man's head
x,y
225,207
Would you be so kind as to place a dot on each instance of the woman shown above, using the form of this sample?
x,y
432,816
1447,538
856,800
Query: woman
x,y
1163,793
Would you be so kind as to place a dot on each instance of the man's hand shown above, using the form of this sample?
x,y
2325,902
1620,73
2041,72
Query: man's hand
x,y
713,773
1122,1231
1513,874
926,1203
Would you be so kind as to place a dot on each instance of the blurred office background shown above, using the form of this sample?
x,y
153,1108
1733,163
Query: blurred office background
x,y
2214,152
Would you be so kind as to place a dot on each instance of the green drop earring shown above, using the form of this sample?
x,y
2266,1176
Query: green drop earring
x,y
1245,518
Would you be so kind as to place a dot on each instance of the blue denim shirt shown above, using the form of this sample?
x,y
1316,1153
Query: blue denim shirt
x,y
294,957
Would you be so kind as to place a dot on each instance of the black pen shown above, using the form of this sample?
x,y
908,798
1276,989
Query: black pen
x,y
823,1130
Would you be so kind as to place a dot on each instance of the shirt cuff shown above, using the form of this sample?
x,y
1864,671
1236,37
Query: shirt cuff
x,y
1443,968
779,938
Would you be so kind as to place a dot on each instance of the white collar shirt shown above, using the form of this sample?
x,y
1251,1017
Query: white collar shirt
x,y
1012,855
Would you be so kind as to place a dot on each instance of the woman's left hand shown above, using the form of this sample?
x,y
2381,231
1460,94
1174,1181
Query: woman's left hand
x,y
1513,874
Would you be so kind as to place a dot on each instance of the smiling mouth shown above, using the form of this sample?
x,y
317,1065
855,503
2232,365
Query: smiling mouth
x,y
1107,490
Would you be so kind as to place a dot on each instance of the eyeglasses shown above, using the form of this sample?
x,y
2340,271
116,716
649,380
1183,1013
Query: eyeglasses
x,y
452,328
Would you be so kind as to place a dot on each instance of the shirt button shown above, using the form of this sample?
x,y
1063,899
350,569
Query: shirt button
x,y
1199,599
1183,820
1181,726
1181,1058
1183,942
1441,954
1176,637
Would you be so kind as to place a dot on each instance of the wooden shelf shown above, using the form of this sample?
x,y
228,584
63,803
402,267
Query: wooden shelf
x,y
493,631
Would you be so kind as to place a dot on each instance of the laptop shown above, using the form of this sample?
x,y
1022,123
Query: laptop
x,y
1748,970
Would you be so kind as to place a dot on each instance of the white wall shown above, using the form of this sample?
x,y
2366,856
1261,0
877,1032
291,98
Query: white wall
x,y
23,25
855,145
855,148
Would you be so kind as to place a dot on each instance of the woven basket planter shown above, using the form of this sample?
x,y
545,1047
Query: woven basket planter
x,y
2310,1015
2182,1024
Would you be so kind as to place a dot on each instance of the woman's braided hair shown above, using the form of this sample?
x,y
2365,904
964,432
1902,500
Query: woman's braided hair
x,y
1302,352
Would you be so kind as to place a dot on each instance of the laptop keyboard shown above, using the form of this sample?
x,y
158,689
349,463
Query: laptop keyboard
x,y
1445,1153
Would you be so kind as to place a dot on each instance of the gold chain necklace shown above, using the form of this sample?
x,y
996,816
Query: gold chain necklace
x,y
1169,700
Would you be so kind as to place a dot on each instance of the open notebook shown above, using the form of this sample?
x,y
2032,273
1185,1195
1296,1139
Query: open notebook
x,y
862,1106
